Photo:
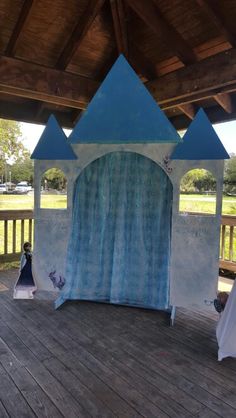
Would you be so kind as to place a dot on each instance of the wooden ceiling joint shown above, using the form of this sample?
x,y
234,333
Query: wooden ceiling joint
x,y
79,33
151,15
188,109
210,9
20,24
120,27
225,101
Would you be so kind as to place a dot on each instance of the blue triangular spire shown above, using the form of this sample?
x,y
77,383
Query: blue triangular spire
x,y
53,144
200,142
123,111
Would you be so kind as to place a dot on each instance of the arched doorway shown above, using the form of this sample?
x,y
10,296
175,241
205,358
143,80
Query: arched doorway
x,y
119,247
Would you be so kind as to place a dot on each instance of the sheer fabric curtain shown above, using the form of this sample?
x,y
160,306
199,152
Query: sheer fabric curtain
x,y
119,246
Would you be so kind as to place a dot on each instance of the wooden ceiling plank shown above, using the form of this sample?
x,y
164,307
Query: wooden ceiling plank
x,y
79,33
224,100
21,22
120,27
210,9
151,15
188,109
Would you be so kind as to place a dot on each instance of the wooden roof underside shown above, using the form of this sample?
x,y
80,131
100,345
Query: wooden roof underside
x,y
55,54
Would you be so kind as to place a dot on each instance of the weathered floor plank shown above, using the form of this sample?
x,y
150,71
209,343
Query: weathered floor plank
x,y
96,360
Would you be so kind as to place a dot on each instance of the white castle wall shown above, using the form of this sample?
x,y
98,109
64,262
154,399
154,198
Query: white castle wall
x,y
195,239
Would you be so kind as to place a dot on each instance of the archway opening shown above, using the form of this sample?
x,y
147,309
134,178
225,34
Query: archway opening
x,y
120,239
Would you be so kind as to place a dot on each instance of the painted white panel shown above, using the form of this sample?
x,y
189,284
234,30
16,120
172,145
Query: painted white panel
x,y
194,260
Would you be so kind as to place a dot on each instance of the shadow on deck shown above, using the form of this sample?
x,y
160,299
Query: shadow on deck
x,y
96,360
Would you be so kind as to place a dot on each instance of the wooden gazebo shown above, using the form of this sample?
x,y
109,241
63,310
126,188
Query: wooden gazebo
x,y
54,55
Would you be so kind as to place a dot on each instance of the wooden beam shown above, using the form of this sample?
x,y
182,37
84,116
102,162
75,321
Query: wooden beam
x,y
224,100
79,32
32,81
210,9
189,84
120,26
27,112
205,78
150,14
21,22
188,109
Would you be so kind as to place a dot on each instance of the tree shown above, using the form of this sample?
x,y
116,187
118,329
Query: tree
x,y
197,180
230,174
55,179
22,170
11,147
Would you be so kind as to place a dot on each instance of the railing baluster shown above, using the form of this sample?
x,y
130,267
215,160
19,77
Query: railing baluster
x,y
22,232
14,236
231,243
223,242
5,236
30,230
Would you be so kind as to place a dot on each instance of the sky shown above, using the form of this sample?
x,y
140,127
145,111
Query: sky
x,y
226,132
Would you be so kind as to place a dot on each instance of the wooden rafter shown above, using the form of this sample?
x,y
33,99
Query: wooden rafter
x,y
22,19
188,109
210,9
79,32
120,26
150,14
224,100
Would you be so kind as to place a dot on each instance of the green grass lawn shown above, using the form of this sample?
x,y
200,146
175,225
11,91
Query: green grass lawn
x,y
12,201
192,203
206,204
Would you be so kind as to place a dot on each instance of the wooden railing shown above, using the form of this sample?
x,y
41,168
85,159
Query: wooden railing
x,y
16,227
228,243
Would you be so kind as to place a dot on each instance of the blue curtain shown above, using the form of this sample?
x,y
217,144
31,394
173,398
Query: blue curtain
x,y
119,248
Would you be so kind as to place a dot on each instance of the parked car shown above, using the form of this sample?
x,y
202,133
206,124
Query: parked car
x,y
22,188
3,188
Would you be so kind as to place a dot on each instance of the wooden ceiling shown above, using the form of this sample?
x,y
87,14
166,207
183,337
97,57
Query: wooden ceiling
x,y
55,54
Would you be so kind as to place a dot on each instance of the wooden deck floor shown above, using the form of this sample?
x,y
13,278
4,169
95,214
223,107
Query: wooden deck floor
x,y
96,360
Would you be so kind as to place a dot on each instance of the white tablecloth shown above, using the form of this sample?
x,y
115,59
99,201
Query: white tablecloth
x,y
226,328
